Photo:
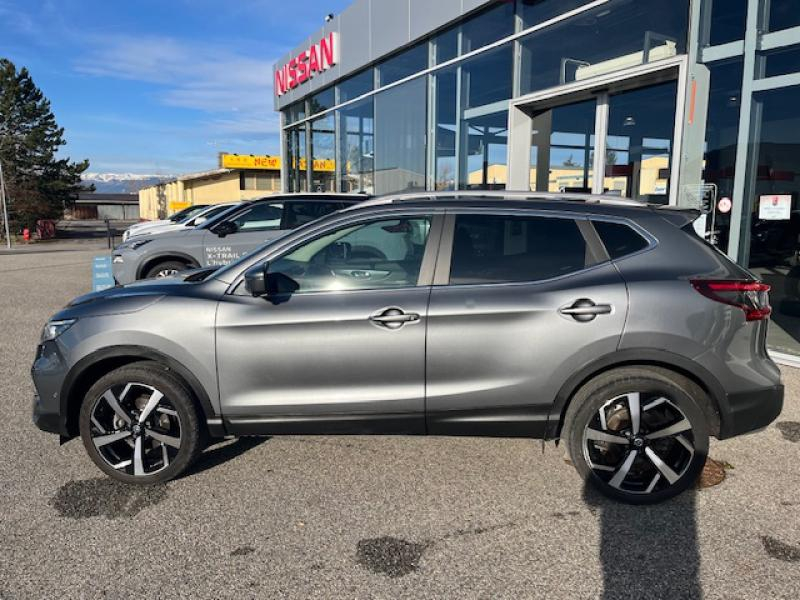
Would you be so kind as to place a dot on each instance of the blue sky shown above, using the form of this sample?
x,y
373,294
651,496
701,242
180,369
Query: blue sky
x,y
160,87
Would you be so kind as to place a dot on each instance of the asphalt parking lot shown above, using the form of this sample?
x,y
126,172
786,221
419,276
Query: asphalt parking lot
x,y
365,517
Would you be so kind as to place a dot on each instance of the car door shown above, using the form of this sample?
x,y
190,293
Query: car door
x,y
346,350
520,302
256,224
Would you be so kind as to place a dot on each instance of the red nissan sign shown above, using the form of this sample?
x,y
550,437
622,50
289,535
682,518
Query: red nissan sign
x,y
318,58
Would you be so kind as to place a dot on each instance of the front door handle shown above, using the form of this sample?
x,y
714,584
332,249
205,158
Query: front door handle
x,y
585,310
393,318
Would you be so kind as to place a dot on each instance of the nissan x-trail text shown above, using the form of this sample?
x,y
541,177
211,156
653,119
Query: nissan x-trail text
x,y
604,323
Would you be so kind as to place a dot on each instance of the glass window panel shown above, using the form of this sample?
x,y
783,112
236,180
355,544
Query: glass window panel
x,y
357,146
783,14
488,26
779,62
485,142
774,180
323,153
487,78
400,115
726,20
378,255
619,240
636,115
722,131
406,63
300,213
502,249
295,112
322,101
610,37
446,45
562,148
538,11
446,124
356,85
296,153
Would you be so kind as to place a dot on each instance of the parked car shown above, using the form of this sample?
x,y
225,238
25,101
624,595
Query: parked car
x,y
602,322
179,216
200,217
221,239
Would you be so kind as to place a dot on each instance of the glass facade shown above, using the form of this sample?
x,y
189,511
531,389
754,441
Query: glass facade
x,y
645,99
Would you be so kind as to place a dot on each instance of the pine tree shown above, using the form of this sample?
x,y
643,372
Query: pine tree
x,y
39,185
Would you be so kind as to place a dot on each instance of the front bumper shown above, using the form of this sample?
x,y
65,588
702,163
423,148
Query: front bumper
x,y
751,411
123,267
48,372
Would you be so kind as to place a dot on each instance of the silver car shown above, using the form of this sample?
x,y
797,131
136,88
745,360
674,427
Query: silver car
x,y
222,238
602,322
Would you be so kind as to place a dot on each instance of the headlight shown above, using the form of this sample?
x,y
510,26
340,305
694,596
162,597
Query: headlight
x,y
53,329
132,245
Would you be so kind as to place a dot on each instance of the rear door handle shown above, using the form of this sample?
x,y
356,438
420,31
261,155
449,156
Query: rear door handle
x,y
585,310
393,318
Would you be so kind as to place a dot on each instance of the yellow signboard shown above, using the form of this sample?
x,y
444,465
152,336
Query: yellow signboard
x,y
176,205
249,161
273,163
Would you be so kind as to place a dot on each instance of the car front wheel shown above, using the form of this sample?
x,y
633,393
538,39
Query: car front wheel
x,y
139,424
637,434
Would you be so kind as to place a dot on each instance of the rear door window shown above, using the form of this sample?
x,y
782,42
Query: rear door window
x,y
300,213
507,248
619,239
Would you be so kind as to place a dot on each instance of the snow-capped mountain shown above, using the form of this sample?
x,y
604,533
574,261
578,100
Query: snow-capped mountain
x,y
122,183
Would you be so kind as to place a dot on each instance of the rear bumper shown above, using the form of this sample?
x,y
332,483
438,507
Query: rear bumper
x,y
751,411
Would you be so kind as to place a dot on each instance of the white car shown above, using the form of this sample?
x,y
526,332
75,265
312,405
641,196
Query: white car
x,y
192,220
186,213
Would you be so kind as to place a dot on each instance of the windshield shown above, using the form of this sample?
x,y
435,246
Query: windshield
x,y
187,212
207,213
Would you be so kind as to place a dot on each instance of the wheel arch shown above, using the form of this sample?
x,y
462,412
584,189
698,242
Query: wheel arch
x,y
92,367
642,357
146,265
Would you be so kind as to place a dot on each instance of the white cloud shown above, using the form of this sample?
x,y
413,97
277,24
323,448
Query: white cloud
x,y
196,76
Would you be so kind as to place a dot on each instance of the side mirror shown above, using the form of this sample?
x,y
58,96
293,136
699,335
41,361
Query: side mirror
x,y
199,221
225,228
259,282
255,280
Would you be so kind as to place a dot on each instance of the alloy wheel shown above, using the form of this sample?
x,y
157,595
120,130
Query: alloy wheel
x,y
135,429
639,443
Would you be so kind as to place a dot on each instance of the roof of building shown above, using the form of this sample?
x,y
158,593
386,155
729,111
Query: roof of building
x,y
104,198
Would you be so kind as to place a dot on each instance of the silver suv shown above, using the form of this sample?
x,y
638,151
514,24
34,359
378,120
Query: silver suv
x,y
605,323
222,239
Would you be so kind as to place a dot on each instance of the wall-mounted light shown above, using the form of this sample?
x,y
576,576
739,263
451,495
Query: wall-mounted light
x,y
329,17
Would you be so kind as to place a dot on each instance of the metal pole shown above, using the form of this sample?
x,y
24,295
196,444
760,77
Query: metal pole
x,y
5,207
108,233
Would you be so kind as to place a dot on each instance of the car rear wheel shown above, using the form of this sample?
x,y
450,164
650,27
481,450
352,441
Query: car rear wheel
x,y
638,434
168,268
139,424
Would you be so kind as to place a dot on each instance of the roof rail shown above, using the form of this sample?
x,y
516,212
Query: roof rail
x,y
506,194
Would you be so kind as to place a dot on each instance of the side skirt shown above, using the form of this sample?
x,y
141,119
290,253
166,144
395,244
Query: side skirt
x,y
391,424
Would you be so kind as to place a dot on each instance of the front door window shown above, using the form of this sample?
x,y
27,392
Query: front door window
x,y
377,255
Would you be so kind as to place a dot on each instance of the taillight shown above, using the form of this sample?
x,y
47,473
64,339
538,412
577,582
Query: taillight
x,y
751,296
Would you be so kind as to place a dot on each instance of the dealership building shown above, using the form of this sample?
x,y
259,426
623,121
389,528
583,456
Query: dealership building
x,y
683,102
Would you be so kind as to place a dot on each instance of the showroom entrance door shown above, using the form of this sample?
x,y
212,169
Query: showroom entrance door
x,y
613,136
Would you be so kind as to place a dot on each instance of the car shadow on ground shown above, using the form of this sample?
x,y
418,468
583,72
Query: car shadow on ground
x,y
223,452
648,551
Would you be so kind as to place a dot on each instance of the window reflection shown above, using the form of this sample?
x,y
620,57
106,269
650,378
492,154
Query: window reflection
x,y
773,209
403,65
323,153
612,36
357,146
400,114
296,153
639,142
446,124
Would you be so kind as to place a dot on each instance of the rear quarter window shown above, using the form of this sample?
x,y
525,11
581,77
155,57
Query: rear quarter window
x,y
619,239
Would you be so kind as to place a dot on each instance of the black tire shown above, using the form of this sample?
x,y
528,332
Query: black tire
x,y
600,463
141,379
166,267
